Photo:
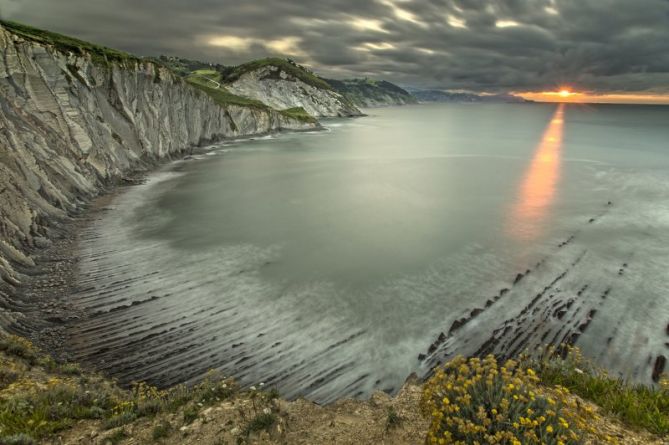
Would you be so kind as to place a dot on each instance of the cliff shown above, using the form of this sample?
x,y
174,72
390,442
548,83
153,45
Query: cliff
x,y
75,117
372,93
283,84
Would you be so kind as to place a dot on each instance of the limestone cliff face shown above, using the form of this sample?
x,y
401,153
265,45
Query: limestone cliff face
x,y
68,126
281,90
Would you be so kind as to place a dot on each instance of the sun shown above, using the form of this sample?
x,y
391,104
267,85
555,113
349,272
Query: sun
x,y
565,93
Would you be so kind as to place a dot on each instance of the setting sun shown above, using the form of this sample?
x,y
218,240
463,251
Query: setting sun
x,y
564,93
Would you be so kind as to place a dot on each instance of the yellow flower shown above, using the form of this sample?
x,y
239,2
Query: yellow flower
x,y
549,429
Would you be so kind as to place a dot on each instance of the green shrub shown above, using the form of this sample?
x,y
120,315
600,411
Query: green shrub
x,y
70,369
116,437
639,406
393,419
161,430
260,422
19,347
118,420
17,439
7,375
27,407
190,414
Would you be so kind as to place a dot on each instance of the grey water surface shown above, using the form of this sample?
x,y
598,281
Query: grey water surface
x,y
324,263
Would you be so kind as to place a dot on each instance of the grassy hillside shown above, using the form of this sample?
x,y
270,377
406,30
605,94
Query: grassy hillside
x,y
290,67
224,97
69,44
221,95
363,91
184,67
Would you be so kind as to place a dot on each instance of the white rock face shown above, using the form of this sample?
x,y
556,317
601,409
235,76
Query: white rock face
x,y
280,90
69,126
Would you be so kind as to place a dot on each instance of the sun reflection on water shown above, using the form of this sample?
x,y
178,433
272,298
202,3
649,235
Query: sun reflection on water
x,y
537,189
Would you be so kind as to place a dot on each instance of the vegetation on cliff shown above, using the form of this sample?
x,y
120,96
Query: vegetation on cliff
x,y
286,65
198,74
365,92
206,80
222,96
99,54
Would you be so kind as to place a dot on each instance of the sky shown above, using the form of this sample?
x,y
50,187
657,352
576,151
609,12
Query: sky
x,y
605,50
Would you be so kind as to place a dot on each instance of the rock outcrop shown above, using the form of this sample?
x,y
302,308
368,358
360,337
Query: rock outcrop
x,y
73,121
283,85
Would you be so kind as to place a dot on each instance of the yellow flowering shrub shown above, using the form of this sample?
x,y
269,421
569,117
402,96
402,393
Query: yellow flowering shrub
x,y
474,401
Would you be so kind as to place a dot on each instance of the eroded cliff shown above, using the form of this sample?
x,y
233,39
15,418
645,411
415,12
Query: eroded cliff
x,y
283,85
73,121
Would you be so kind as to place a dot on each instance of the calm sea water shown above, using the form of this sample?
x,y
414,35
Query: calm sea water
x,y
324,263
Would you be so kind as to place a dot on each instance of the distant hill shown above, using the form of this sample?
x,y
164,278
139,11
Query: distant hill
x,y
354,92
371,93
278,83
447,96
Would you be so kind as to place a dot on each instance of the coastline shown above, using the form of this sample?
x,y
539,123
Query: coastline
x,y
42,297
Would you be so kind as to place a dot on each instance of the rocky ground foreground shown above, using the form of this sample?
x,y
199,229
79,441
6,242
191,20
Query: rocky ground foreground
x,y
45,402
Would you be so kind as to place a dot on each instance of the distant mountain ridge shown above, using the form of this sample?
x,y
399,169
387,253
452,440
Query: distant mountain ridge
x,y
448,96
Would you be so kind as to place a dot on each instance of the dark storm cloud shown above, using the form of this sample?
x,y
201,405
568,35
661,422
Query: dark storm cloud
x,y
504,45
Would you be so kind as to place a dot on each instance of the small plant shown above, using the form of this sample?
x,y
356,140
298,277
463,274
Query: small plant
x,y
8,374
18,347
70,369
639,406
480,401
161,430
260,422
17,439
121,419
116,437
272,394
393,420
190,414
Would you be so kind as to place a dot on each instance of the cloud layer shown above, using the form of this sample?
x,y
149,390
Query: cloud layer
x,y
602,46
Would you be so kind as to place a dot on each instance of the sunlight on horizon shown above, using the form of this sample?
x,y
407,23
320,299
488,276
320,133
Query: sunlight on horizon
x,y
567,95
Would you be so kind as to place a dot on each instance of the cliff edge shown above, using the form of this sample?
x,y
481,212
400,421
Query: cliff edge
x,y
76,117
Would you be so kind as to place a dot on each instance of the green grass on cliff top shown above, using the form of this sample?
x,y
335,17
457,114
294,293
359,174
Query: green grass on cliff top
x,y
223,97
286,65
69,44
103,54
298,113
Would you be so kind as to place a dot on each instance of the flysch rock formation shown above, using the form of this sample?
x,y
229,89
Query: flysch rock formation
x,y
281,90
70,125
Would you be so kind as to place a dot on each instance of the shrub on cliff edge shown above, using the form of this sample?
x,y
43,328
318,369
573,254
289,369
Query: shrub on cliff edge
x,y
481,401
